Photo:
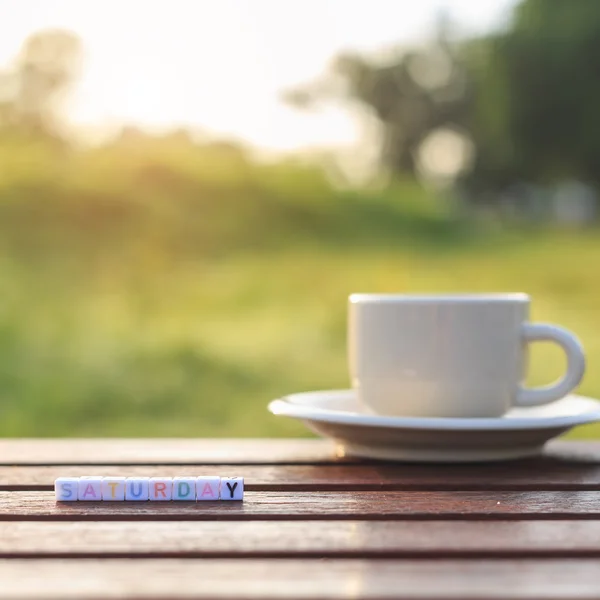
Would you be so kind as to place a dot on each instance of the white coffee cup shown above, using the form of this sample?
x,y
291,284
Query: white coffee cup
x,y
450,355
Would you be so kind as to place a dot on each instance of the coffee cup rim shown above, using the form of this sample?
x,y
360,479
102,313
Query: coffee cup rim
x,y
362,298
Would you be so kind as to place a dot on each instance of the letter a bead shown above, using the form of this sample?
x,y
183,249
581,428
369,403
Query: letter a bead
x,y
90,489
66,489
232,488
207,488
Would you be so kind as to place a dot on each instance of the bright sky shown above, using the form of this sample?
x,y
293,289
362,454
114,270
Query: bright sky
x,y
220,65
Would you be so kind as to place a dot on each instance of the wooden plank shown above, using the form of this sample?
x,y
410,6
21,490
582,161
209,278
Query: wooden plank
x,y
297,539
212,451
257,477
548,473
316,505
166,451
301,579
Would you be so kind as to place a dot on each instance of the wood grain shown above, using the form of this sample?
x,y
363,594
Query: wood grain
x,y
166,451
316,505
314,524
548,473
213,451
294,539
300,579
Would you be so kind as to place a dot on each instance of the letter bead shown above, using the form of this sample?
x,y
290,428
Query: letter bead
x,y
66,489
137,489
161,489
142,489
232,488
90,489
207,488
113,489
184,488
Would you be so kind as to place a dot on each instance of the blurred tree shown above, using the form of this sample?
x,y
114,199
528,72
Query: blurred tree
x,y
538,96
525,97
33,89
412,95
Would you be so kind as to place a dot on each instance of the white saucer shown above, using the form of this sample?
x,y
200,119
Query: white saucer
x,y
337,414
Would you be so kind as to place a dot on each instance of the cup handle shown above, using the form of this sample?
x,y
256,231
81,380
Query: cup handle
x,y
533,332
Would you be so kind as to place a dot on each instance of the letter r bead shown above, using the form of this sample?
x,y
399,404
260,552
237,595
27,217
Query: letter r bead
x,y
161,489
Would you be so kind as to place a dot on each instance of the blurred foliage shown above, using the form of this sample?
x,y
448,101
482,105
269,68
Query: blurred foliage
x,y
540,90
525,97
411,93
155,287
158,286
33,89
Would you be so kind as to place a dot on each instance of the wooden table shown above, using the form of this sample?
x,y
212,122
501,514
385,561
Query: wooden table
x,y
314,524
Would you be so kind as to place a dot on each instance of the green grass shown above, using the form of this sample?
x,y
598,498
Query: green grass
x,y
183,305
201,350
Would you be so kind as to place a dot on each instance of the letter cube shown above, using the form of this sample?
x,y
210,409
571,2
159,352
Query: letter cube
x,y
90,489
161,489
66,489
184,488
137,489
207,488
232,488
113,489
